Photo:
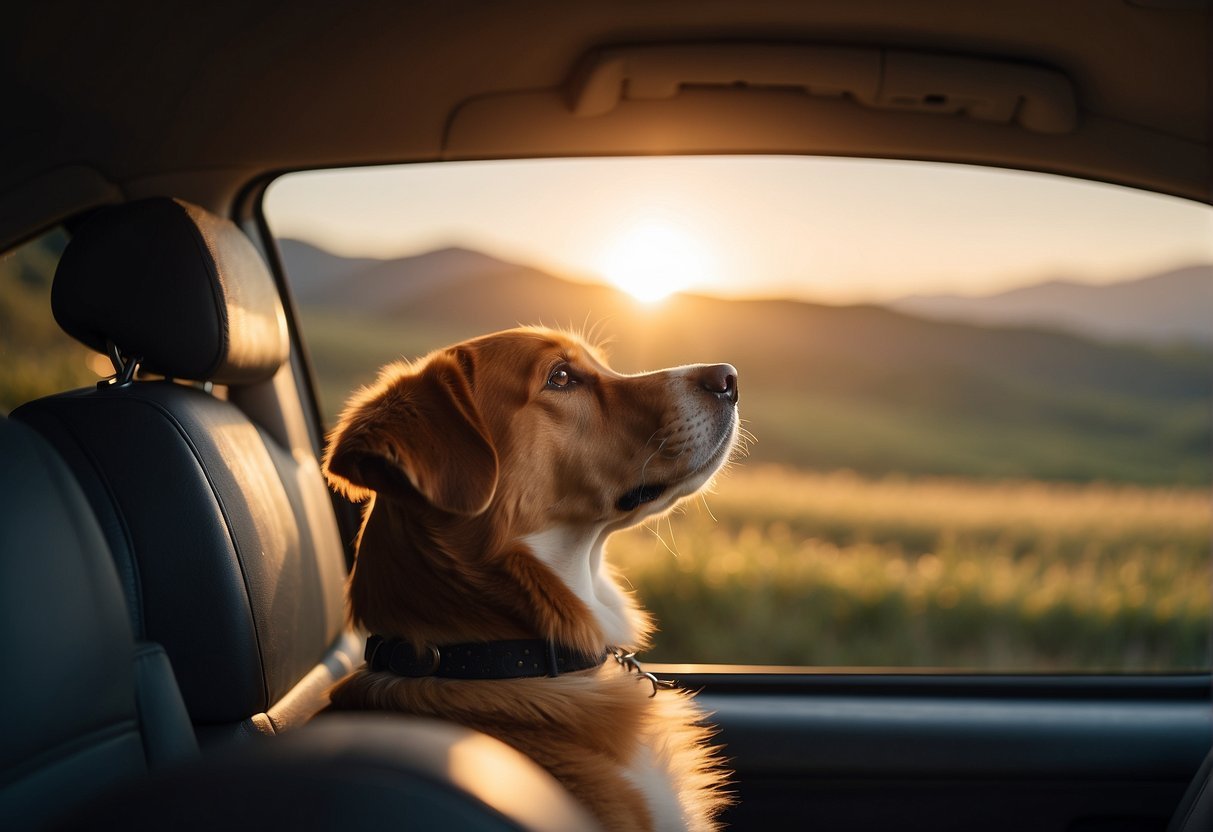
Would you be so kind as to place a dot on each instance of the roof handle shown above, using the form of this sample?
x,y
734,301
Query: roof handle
x,y
1036,98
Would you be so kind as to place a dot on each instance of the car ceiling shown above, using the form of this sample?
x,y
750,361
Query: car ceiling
x,y
111,101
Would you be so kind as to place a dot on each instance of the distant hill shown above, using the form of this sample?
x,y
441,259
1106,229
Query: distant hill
x,y
319,277
316,273
860,387
1171,307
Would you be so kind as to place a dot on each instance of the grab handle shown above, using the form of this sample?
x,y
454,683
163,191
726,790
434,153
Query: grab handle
x,y
1036,98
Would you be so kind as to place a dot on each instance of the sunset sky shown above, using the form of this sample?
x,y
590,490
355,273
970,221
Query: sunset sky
x,y
830,229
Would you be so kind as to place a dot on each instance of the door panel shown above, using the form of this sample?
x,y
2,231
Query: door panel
x,y
947,752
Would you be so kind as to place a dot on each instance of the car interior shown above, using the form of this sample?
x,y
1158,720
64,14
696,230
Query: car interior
x,y
172,562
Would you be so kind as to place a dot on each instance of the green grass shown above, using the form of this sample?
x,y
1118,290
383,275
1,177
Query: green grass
x,y
825,432
795,568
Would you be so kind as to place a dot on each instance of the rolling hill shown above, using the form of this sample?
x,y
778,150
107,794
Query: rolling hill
x,y
860,387
1172,307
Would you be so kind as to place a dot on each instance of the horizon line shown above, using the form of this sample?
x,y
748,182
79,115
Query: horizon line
x,y
826,298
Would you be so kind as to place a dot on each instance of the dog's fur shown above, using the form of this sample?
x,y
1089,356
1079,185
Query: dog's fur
x,y
492,483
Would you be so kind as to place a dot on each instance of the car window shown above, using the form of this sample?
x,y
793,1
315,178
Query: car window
x,y
977,402
38,358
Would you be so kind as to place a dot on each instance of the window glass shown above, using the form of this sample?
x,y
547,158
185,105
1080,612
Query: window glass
x,y
978,401
38,358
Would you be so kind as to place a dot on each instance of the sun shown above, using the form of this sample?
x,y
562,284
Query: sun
x,y
653,260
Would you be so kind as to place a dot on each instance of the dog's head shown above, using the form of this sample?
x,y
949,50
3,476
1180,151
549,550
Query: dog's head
x,y
499,466
533,426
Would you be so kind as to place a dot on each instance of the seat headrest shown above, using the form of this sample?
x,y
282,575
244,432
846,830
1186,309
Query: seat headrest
x,y
176,286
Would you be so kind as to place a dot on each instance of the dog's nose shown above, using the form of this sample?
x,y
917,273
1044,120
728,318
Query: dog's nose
x,y
720,380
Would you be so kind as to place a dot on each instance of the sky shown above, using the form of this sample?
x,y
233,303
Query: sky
x,y
839,230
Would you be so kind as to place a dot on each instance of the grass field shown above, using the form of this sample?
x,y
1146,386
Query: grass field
x,y
785,567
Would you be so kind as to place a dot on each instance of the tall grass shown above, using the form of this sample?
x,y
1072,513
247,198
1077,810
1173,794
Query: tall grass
x,y
786,567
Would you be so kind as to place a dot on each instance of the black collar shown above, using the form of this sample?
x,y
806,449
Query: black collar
x,y
518,659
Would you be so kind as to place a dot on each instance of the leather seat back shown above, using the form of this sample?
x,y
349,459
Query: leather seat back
x,y
82,707
221,526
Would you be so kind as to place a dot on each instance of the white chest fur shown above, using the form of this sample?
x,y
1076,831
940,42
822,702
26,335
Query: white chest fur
x,y
576,557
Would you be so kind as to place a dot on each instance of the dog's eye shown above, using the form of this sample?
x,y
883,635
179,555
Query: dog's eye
x,y
560,379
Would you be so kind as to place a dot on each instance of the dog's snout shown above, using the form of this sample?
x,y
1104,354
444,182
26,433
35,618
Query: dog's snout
x,y
720,380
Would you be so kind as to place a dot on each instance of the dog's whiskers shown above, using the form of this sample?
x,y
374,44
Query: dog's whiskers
x,y
669,521
645,467
745,438
656,532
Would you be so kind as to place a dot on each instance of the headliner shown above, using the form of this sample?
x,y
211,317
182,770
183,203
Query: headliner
x,y
108,101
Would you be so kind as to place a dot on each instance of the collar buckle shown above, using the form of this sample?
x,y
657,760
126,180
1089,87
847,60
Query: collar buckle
x,y
629,663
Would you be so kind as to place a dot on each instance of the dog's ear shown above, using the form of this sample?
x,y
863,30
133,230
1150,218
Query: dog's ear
x,y
416,432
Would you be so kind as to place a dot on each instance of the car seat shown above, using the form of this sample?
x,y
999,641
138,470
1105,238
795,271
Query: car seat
x,y
197,460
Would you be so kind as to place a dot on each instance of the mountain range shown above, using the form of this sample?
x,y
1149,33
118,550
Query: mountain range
x,y
863,387
1169,307
1174,306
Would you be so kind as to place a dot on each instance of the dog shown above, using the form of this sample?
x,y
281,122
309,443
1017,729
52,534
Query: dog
x,y
493,472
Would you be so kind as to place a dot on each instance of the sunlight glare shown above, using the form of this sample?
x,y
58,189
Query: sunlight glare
x,y
651,261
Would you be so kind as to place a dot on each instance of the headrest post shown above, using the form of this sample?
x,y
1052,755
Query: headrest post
x,y
124,369
115,356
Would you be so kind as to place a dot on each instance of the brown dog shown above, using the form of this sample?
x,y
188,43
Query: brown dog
x,y
495,470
